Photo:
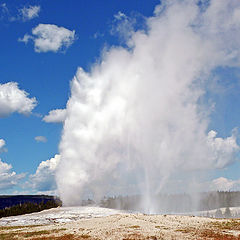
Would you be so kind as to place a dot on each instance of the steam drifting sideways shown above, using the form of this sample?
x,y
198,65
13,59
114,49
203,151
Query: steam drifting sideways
x,y
136,123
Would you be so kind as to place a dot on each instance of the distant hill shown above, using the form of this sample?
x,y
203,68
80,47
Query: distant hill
x,y
7,201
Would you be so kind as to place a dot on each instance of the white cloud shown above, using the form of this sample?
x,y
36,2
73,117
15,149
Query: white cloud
x,y
26,38
13,99
29,12
8,178
24,14
2,143
137,119
44,178
55,116
41,139
222,150
51,192
224,184
49,37
2,146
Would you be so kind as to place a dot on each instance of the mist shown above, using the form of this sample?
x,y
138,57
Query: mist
x,y
137,122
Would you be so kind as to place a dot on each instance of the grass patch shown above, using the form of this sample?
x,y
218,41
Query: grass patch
x,y
137,236
10,228
7,236
133,237
16,232
64,237
134,226
84,236
31,234
186,230
228,225
205,234
18,227
216,233
61,229
162,227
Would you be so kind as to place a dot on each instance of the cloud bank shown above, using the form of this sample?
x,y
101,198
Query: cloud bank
x,y
8,178
13,99
50,37
136,120
44,178
224,184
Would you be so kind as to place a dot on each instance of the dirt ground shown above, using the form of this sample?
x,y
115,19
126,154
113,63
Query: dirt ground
x,y
130,226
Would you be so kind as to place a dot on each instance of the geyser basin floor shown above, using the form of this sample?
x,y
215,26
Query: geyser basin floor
x,y
58,215
104,224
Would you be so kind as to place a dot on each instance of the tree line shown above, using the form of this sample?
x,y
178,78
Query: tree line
x,y
176,203
28,207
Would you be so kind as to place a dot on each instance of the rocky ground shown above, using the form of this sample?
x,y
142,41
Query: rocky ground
x,y
119,225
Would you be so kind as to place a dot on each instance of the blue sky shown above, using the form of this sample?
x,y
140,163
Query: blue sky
x,y
45,72
46,75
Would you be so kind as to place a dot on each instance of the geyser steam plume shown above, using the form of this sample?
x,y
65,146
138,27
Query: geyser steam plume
x,y
136,121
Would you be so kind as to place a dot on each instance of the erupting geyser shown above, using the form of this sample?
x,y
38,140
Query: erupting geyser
x,y
136,123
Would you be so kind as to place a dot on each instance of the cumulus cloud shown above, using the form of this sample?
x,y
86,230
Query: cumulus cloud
x,y
136,120
50,37
2,143
222,149
40,139
55,116
2,146
8,178
44,178
30,12
13,99
224,184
